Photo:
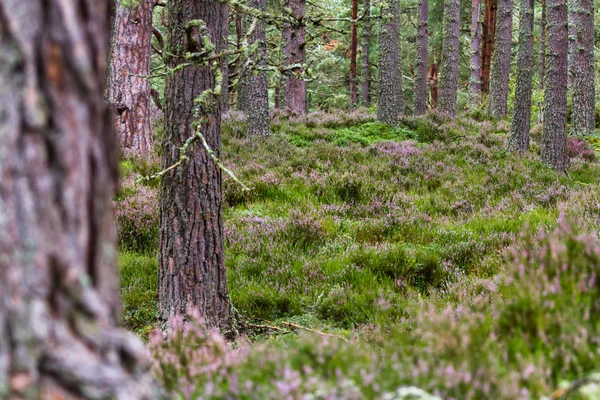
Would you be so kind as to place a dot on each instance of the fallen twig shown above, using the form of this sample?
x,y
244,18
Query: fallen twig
x,y
295,326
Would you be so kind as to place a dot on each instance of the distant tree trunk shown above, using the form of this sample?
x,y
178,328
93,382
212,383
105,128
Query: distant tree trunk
x,y
234,72
391,99
294,52
542,56
191,260
498,98
128,89
225,65
353,54
450,53
519,134
365,90
255,102
489,33
583,119
475,79
422,50
59,291
433,84
554,131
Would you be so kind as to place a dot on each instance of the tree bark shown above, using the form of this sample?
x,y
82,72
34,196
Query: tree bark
x,y
498,95
450,53
191,260
129,92
543,39
554,131
519,134
365,90
422,50
583,118
294,53
475,78
255,101
59,292
391,100
353,55
489,33
433,86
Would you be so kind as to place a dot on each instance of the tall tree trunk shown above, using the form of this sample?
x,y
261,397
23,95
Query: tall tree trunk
x,y
489,33
519,134
59,292
450,53
554,131
191,260
391,100
255,102
225,64
353,55
583,119
475,79
294,53
543,39
237,65
365,90
422,43
498,98
129,91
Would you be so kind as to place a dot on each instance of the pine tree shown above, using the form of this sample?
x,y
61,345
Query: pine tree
x,y
475,79
191,259
59,290
583,118
422,50
129,91
498,95
519,134
554,131
450,53
391,100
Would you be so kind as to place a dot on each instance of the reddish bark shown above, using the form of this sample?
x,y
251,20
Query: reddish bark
x,y
489,32
129,91
59,292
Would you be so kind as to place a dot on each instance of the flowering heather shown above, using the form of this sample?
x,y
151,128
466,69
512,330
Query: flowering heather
x,y
580,148
418,243
137,216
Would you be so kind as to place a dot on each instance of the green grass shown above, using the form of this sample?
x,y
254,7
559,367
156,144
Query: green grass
x,y
418,243
340,219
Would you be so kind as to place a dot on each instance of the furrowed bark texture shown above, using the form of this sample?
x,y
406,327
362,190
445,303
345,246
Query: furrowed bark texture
x,y
519,134
365,90
191,260
475,78
489,33
294,52
128,91
422,43
583,118
554,131
450,53
391,100
543,40
255,99
59,292
353,55
498,98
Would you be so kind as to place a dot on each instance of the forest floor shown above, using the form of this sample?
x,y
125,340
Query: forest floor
x,y
424,254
